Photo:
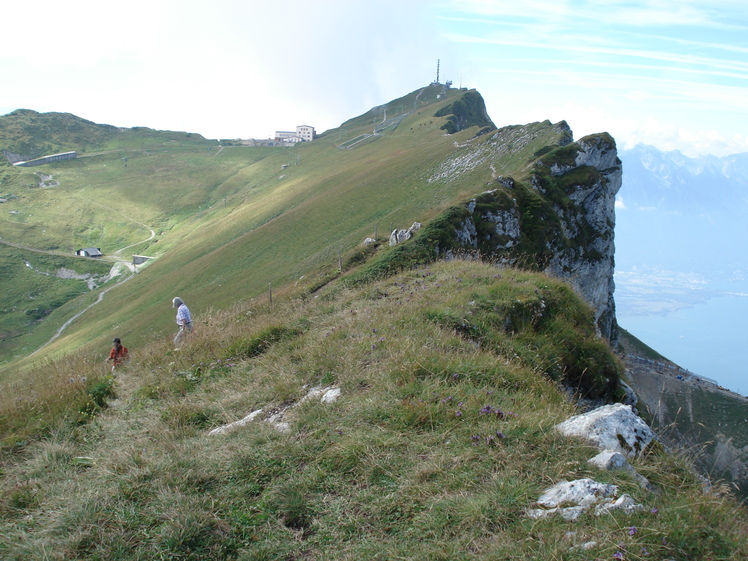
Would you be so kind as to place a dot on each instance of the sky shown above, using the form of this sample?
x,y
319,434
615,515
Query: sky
x,y
673,73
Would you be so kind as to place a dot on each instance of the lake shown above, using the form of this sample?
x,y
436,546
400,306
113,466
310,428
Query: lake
x,y
695,321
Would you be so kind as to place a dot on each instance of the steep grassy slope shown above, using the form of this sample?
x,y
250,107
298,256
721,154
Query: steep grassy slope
x,y
706,421
435,448
710,425
230,221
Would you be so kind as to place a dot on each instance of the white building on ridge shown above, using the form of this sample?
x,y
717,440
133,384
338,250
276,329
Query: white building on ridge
x,y
303,133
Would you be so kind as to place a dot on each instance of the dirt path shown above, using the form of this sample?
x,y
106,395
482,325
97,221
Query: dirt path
x,y
83,311
115,257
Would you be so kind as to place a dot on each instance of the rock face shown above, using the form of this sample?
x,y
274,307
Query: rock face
x,y
591,269
467,111
560,220
568,229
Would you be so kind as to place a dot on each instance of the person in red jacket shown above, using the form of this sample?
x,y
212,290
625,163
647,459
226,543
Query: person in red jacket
x,y
118,355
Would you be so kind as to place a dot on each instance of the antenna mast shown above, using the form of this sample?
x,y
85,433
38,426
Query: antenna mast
x,y
437,71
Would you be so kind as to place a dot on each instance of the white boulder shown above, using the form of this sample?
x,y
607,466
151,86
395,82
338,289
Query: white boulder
x,y
571,499
611,427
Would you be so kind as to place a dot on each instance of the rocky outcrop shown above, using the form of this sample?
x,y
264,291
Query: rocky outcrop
x,y
562,221
590,266
399,236
467,111
560,218
619,434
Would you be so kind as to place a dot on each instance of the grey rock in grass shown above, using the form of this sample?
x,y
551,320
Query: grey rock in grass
x,y
611,427
571,499
399,236
277,417
613,461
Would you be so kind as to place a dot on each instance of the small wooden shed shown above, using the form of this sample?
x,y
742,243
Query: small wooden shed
x,y
89,252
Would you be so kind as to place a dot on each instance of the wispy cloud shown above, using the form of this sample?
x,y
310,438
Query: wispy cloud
x,y
682,64
641,14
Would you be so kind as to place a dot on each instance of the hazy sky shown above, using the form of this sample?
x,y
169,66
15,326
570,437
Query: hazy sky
x,y
672,73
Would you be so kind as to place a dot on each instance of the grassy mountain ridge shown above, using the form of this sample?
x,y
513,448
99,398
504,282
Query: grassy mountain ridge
x,y
220,212
435,448
408,464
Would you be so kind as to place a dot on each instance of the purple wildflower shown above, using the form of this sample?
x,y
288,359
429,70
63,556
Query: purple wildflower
x,y
632,530
458,413
618,555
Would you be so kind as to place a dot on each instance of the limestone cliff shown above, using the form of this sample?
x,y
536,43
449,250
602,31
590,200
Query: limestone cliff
x,y
558,217
562,221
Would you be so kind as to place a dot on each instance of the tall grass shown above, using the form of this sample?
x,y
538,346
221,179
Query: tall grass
x,y
437,445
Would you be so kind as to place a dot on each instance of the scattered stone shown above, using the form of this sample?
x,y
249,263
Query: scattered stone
x,y
583,492
624,502
571,499
612,461
276,416
631,397
609,460
236,424
399,236
330,396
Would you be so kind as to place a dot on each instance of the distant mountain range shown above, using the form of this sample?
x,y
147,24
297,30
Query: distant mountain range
x,y
684,213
